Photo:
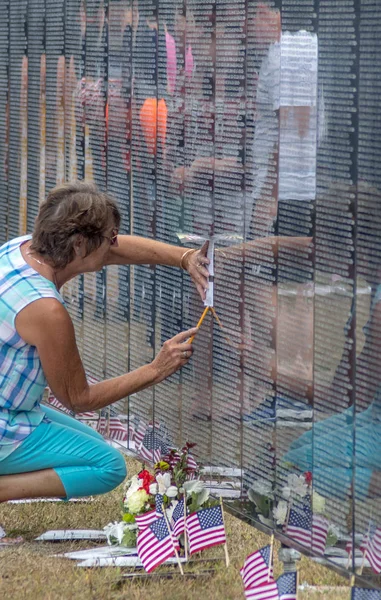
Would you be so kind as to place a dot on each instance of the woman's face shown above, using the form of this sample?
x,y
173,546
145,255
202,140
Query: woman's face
x,y
97,259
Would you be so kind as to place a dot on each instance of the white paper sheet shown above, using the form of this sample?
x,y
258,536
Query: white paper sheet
x,y
63,535
33,500
121,561
100,552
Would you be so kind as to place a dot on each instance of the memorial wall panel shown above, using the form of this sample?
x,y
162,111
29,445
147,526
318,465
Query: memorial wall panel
x,y
93,91
17,133
147,131
118,161
4,120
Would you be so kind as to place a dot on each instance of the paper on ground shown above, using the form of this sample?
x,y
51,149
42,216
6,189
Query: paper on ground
x,y
122,561
101,552
63,535
32,500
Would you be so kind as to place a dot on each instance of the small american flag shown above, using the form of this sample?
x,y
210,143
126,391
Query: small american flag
x,y
137,430
117,431
309,529
159,499
288,586
153,446
143,521
205,529
191,463
349,546
88,416
256,570
155,545
52,401
364,594
267,591
372,549
177,520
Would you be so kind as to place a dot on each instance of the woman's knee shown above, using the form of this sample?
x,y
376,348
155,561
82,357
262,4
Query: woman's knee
x,y
114,469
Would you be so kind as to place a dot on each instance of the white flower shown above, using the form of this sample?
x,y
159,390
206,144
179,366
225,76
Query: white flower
x,y
262,487
153,489
286,492
280,512
203,496
114,530
193,486
318,503
172,491
164,481
133,485
297,484
136,502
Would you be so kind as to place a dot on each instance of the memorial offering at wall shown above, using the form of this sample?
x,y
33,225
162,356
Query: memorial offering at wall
x,y
254,125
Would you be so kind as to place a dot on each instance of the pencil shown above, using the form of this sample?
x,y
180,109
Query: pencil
x,y
200,322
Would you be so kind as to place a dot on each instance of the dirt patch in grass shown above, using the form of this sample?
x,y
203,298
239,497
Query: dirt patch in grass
x,y
30,571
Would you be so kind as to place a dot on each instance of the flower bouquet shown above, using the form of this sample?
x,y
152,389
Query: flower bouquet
x,y
137,501
175,483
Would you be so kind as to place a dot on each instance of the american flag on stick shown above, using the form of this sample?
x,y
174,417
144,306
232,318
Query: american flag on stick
x,y
205,529
266,591
365,594
177,519
116,430
257,569
153,447
155,545
308,529
159,499
371,548
143,521
288,586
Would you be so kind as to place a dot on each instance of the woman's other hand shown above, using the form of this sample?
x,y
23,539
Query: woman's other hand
x,y
173,355
196,263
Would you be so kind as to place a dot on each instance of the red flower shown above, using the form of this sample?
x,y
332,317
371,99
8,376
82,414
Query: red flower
x,y
308,477
146,479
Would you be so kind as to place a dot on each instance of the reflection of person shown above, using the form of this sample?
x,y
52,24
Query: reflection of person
x,y
285,138
43,453
343,451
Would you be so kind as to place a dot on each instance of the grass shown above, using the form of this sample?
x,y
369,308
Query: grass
x,y
30,571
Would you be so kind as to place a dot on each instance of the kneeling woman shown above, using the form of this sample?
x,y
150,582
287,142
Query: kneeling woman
x,y
44,453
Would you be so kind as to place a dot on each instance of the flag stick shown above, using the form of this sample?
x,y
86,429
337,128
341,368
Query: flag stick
x,y
366,548
271,557
185,527
191,339
227,559
172,540
353,581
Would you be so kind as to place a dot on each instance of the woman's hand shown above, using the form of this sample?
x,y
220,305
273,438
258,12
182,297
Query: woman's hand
x,y
196,263
173,355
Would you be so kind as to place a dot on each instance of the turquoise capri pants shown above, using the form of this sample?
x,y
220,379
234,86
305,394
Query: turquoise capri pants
x,y
82,459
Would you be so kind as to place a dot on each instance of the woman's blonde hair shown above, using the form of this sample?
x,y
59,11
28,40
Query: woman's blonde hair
x,y
71,209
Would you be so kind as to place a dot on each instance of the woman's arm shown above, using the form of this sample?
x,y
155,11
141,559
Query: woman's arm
x,y
47,325
135,250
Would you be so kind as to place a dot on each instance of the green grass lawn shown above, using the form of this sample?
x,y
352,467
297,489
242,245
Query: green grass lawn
x,y
30,571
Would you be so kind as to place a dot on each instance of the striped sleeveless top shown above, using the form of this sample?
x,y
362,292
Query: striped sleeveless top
x,y
22,380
